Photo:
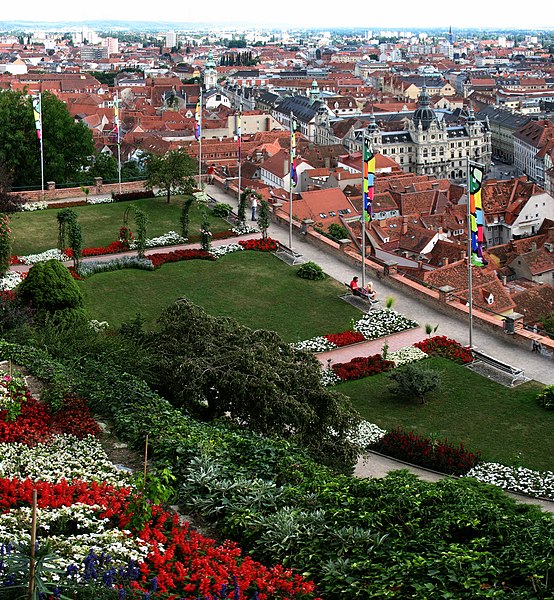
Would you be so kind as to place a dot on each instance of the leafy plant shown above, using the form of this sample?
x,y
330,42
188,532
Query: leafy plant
x,y
546,397
416,380
429,329
141,223
311,270
5,244
185,216
221,209
337,232
263,218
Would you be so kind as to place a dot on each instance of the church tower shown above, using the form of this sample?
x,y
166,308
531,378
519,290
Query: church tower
x,y
210,73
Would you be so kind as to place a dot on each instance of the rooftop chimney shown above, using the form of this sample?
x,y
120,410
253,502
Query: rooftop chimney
x,y
404,225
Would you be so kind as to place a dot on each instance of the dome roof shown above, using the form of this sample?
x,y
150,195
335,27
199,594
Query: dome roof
x,y
424,114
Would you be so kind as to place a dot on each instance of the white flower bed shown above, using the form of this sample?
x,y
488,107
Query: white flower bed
x,y
406,355
32,206
64,457
11,280
516,479
97,534
366,434
90,267
227,249
107,200
315,344
244,229
329,377
382,321
54,254
170,238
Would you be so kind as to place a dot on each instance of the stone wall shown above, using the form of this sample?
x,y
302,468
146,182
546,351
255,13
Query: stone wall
x,y
99,189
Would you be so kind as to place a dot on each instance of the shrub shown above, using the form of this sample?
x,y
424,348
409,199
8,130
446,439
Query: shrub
x,y
362,366
416,380
50,287
338,232
546,397
440,345
222,210
439,455
311,270
139,195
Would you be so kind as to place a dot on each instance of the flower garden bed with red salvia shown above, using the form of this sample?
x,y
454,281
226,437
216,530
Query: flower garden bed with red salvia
x,y
440,345
269,245
362,366
160,258
345,338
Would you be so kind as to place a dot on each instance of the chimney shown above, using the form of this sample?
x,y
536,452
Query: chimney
x,y
404,225
435,185
420,264
534,247
504,280
445,262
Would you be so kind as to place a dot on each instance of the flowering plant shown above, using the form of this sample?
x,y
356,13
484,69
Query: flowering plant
x,y
315,344
13,393
160,258
406,355
125,236
362,366
106,200
345,338
440,345
269,245
10,280
32,206
220,251
52,254
383,321
244,229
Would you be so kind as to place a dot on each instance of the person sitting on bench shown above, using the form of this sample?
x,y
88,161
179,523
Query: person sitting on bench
x,y
368,292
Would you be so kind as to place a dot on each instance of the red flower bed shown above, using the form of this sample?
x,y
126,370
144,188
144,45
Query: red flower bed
x,y
439,455
440,345
362,366
260,244
35,423
160,258
345,338
68,204
114,248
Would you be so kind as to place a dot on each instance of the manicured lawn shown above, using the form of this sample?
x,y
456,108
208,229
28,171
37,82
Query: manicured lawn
x,y
38,231
255,288
499,422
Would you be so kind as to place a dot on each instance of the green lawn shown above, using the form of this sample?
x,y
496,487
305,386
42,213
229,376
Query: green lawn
x,y
499,422
255,288
38,231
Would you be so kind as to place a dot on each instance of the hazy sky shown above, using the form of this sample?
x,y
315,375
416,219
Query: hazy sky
x,y
403,14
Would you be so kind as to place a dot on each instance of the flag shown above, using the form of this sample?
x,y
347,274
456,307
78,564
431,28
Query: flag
x,y
198,121
116,117
476,215
368,179
293,157
239,134
37,112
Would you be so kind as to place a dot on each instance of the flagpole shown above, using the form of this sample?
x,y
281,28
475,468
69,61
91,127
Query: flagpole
x,y
291,158
118,141
200,184
36,102
41,160
363,210
469,252
239,131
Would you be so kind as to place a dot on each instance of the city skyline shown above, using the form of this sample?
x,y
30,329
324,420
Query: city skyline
x,y
406,15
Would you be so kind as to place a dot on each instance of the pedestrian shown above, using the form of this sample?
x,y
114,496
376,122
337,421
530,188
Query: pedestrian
x,y
254,205
211,171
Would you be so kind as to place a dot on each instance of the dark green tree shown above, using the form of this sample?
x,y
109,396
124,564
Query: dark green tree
x,y
205,233
185,216
415,380
172,173
263,218
64,217
105,166
213,366
67,144
75,238
141,223
5,244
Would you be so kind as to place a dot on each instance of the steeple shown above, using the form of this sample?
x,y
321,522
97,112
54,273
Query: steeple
x,y
210,72
424,114
314,92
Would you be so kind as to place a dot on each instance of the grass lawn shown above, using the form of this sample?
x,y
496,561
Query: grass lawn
x,y
499,422
255,288
37,231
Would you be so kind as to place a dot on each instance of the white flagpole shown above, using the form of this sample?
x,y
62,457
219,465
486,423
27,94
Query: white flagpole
x,y
363,210
200,183
240,148
41,146
118,143
469,250
291,125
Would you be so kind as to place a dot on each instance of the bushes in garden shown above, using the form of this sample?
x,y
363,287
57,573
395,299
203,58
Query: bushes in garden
x,y
546,397
311,270
439,455
138,195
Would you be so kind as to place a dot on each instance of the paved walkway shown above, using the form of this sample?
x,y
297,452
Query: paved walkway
x,y
536,367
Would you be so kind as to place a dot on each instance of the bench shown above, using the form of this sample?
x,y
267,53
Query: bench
x,y
360,295
515,372
288,255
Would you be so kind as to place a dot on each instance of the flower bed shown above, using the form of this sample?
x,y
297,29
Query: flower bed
x,y
406,355
440,345
11,280
31,259
539,484
32,206
269,245
439,455
345,338
383,321
315,344
160,258
244,229
220,251
171,238
362,366
88,268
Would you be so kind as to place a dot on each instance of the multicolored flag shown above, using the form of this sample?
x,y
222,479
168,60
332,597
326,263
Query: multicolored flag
x,y
476,215
198,121
293,155
239,134
116,117
37,112
368,179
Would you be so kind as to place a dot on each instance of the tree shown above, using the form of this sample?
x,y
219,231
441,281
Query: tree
x,y
64,218
263,218
141,222
172,173
9,202
49,287
415,380
213,366
5,244
205,233
105,166
75,238
185,216
67,144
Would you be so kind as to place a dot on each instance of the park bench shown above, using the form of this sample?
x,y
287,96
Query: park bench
x,y
514,372
360,295
288,255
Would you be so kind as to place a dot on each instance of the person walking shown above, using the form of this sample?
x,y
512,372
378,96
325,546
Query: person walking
x,y
254,205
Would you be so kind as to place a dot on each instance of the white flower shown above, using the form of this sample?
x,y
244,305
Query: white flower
x,y
107,200
384,321
31,206
315,344
244,229
227,249
11,280
54,253
366,434
170,238
329,377
406,355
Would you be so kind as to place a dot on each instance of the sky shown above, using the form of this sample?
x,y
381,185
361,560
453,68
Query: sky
x,y
404,14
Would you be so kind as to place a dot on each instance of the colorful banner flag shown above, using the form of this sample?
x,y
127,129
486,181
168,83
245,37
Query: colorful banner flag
x,y
198,121
476,215
116,117
37,112
368,180
293,155
239,134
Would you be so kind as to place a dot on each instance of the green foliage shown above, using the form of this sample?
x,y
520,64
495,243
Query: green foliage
x,y
416,380
338,232
429,329
155,489
105,166
205,233
221,209
546,397
75,239
67,144
311,270
49,287
263,218
141,223
243,204
64,217
172,173
548,323
5,244
185,216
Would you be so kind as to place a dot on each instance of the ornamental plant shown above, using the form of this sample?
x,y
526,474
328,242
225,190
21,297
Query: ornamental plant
x,y
311,270
362,366
345,338
141,222
205,233
414,380
5,244
268,245
440,345
160,258
125,236
545,398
